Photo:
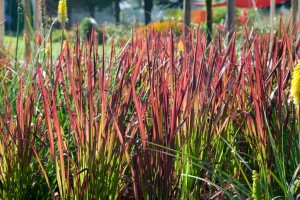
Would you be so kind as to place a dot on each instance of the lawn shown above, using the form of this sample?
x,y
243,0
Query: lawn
x,y
11,41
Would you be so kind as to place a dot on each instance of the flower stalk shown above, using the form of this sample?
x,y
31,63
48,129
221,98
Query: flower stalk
x,y
295,92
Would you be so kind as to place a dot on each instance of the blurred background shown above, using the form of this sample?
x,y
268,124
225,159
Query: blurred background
x,y
139,11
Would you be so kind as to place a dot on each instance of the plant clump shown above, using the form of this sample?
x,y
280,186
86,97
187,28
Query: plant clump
x,y
162,27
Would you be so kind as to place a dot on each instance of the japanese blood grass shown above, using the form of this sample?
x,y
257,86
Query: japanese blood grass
x,y
20,173
20,125
210,92
268,86
88,153
153,121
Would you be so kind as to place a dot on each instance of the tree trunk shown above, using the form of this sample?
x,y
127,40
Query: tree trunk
x,y
187,15
37,22
27,25
148,5
298,14
37,16
209,20
2,23
230,18
117,11
294,11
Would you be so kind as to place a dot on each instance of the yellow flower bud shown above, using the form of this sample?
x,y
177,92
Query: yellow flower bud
x,y
48,49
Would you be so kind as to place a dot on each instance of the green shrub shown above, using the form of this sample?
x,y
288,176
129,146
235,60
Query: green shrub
x,y
219,14
86,26
175,14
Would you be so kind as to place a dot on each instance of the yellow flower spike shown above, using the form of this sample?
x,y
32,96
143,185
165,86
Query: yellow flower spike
x,y
295,93
62,11
180,47
295,89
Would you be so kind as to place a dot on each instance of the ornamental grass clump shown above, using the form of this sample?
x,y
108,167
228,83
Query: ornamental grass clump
x,y
147,122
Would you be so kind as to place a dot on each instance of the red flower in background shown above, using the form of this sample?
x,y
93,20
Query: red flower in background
x,y
38,38
221,27
242,18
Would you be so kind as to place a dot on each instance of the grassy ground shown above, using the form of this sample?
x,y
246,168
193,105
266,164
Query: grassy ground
x,y
10,43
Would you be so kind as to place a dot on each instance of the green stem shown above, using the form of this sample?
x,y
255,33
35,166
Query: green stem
x,y
18,31
62,39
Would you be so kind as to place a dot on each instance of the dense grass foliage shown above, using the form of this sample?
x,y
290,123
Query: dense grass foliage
x,y
154,120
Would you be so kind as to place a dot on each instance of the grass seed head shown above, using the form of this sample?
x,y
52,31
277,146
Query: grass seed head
x,y
256,188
